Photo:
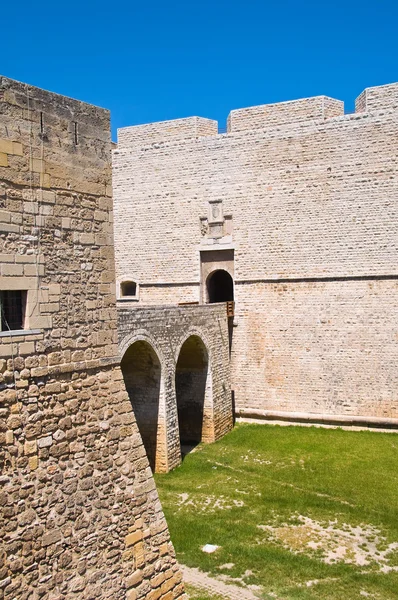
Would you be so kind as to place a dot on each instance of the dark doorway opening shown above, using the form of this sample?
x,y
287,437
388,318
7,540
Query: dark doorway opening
x,y
191,378
220,287
142,372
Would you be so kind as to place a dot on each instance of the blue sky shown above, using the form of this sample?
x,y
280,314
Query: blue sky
x,y
151,61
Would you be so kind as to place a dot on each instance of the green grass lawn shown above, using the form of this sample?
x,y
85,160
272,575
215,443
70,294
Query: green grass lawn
x,y
304,513
197,594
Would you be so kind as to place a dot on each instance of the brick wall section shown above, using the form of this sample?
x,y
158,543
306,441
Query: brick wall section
x,y
166,328
191,127
283,113
312,203
322,347
360,103
80,517
378,98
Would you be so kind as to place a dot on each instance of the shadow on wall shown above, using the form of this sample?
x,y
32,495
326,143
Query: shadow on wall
x,y
142,373
191,380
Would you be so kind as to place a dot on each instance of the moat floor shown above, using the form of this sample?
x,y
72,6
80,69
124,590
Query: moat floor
x,y
293,512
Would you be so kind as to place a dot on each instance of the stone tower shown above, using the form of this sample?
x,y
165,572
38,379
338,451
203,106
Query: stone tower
x,y
80,515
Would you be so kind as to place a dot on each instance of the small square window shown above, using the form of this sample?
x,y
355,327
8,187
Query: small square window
x,y
12,309
128,288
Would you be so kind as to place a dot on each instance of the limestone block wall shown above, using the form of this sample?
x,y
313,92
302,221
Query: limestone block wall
x,y
283,113
165,329
327,347
79,513
311,194
190,127
378,98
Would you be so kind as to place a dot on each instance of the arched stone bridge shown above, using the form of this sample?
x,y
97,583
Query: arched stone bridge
x,y
175,363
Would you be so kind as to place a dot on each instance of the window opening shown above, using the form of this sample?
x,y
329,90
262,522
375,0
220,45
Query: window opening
x,y
12,309
128,288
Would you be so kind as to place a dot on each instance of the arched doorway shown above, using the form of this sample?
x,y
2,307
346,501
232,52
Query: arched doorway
x,y
191,380
142,376
220,286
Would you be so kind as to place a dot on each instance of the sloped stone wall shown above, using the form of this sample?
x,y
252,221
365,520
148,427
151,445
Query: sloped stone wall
x,y
80,513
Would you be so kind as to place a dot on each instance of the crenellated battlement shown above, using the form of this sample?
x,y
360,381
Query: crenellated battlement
x,y
377,98
279,114
190,127
284,113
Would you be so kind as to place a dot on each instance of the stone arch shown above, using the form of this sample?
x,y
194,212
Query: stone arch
x,y
193,331
193,384
143,376
140,334
219,286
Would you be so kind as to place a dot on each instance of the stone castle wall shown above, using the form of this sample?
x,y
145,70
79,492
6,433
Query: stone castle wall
x,y
309,194
79,512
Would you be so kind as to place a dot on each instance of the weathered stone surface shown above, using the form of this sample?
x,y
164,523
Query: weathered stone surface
x,y
72,488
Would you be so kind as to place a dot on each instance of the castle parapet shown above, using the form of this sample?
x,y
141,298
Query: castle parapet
x,y
284,113
377,98
176,129
265,116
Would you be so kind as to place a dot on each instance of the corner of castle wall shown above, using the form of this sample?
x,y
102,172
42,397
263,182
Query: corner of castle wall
x,y
332,107
206,127
229,122
360,102
378,98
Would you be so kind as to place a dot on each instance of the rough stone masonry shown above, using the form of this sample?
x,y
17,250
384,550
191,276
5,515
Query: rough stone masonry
x,y
79,512
297,203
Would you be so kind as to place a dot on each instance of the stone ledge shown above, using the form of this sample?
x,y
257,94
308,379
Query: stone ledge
x,y
20,333
314,418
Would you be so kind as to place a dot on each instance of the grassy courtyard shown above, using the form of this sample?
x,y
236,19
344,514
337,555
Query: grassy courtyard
x,y
296,513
